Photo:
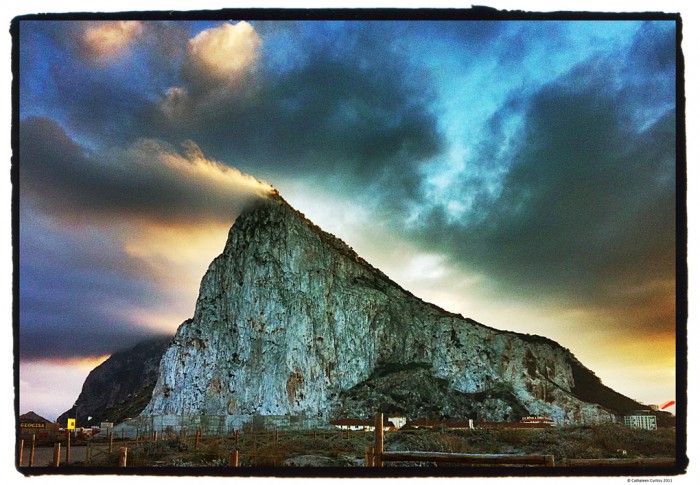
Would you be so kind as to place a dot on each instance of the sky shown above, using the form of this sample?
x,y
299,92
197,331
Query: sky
x,y
522,174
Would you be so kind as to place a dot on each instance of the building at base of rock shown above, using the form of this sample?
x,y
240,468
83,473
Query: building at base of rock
x,y
642,419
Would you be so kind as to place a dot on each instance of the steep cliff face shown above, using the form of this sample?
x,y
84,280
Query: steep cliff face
x,y
121,386
289,320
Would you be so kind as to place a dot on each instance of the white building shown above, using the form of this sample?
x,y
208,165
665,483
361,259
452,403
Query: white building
x,y
641,420
399,421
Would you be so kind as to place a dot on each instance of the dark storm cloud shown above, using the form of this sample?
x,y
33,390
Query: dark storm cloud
x,y
586,214
584,196
79,286
148,181
351,107
654,49
74,287
66,313
346,103
99,98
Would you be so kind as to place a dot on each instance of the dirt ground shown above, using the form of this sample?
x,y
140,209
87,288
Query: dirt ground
x,y
43,455
347,449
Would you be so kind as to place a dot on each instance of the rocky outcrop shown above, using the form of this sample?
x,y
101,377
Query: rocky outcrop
x,y
290,320
412,390
121,386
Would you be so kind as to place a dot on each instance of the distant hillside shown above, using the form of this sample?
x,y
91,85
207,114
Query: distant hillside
x,y
32,417
121,386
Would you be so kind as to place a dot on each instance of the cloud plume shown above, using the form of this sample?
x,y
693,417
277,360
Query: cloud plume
x,y
149,180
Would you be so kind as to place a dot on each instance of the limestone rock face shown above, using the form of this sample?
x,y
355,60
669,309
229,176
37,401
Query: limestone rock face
x,y
289,319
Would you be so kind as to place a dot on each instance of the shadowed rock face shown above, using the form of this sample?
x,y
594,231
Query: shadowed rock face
x,y
412,390
121,386
290,320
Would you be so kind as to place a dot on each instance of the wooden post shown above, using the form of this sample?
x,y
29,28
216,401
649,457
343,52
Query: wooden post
x,y
233,459
378,439
369,457
67,447
155,436
111,437
235,438
196,439
549,460
122,456
88,452
56,454
31,453
21,451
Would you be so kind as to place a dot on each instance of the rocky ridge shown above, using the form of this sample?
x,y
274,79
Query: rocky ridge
x,y
290,320
121,386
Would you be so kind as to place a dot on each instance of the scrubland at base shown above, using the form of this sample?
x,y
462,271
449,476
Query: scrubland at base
x,y
337,448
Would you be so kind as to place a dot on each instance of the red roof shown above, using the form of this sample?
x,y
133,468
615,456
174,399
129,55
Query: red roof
x,y
503,424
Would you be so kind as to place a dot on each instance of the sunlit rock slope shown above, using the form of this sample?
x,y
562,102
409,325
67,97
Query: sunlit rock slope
x,y
290,320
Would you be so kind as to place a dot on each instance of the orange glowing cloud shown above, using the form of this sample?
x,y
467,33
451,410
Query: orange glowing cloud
x,y
225,53
208,173
103,41
217,63
176,258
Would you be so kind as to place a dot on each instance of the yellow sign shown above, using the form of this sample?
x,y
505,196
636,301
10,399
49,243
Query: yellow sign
x,y
32,425
71,423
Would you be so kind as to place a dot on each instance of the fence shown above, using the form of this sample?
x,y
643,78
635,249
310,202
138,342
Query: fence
x,y
621,462
238,447
212,424
277,447
377,456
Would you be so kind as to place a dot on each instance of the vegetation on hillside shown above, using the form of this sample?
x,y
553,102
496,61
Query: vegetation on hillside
x,y
343,448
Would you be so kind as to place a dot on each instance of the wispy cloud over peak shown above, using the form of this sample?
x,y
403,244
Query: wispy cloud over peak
x,y
149,180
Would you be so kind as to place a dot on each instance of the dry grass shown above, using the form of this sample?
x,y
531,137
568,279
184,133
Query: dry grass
x,y
348,449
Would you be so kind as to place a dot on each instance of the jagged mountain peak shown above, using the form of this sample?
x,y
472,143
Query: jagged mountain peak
x,y
290,319
275,202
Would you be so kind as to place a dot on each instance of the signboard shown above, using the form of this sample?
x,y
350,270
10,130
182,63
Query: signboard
x,y
71,423
32,425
